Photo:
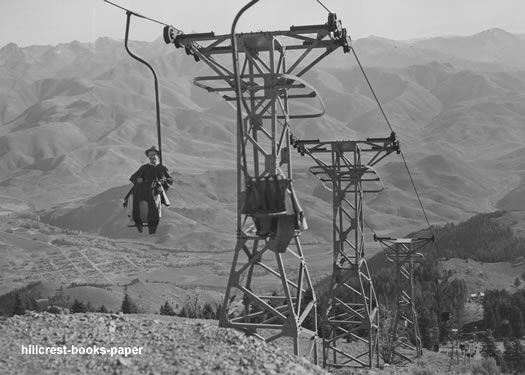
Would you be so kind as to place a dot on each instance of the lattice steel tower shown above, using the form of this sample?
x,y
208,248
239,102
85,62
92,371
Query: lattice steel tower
x,y
263,79
404,341
351,311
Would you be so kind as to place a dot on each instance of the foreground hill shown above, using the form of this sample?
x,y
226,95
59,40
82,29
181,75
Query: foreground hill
x,y
169,345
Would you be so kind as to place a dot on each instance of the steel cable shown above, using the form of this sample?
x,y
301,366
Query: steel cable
x,y
392,130
137,14
328,10
371,89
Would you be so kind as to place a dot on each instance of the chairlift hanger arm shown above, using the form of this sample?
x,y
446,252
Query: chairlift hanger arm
x,y
129,13
155,80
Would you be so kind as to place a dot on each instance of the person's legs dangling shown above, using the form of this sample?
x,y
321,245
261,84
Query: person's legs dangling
x,y
154,213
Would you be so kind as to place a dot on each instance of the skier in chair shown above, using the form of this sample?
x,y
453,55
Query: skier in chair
x,y
150,182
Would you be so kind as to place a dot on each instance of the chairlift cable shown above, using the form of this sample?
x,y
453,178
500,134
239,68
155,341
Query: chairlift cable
x,y
392,130
128,11
137,14
371,89
417,194
328,10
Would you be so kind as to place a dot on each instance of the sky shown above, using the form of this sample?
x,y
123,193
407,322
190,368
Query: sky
x,y
44,22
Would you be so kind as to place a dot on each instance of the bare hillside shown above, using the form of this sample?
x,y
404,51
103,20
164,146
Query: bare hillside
x,y
76,117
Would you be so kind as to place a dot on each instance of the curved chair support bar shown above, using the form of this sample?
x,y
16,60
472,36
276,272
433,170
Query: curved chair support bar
x,y
155,80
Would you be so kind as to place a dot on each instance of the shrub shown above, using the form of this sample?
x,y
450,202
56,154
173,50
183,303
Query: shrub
x,y
193,310
19,308
166,309
54,309
423,371
487,366
128,306
78,307
513,357
209,311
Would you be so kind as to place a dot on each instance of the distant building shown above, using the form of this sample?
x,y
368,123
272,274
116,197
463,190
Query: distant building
x,y
477,297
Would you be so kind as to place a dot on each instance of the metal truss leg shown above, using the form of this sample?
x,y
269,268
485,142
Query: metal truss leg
x,y
351,323
270,295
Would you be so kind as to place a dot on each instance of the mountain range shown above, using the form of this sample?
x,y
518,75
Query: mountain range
x,y
75,119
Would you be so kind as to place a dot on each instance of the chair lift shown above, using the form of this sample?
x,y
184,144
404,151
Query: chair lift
x,y
143,207
272,204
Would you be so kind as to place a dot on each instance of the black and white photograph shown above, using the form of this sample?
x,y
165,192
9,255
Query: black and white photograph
x,y
262,187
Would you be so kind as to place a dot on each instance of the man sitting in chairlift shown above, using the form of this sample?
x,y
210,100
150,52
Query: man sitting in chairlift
x,y
150,183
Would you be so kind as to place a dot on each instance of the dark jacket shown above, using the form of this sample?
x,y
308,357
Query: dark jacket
x,y
148,190
149,173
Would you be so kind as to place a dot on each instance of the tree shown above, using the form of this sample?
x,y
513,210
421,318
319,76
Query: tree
x,y
184,312
18,308
514,356
518,356
489,317
505,328
516,320
507,360
31,303
208,312
128,307
487,366
59,299
489,348
78,307
103,309
166,309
